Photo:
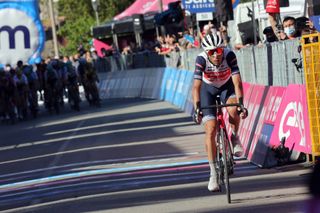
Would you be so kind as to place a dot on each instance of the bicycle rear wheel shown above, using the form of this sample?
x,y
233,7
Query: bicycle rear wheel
x,y
225,164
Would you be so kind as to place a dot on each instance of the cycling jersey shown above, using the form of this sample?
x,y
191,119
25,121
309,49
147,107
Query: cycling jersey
x,y
213,75
217,80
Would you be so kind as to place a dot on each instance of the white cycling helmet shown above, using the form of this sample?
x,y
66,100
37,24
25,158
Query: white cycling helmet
x,y
211,41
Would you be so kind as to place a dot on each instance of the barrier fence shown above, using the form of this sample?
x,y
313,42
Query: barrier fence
x,y
265,64
120,62
311,53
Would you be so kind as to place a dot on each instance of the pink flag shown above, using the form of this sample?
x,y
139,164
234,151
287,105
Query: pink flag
x,y
99,45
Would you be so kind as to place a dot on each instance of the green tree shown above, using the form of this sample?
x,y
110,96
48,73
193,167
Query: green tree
x,y
80,18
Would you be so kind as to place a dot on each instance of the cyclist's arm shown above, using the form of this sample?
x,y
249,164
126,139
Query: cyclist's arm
x,y
196,92
197,80
236,77
237,82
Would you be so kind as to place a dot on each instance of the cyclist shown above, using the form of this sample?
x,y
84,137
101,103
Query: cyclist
x,y
217,73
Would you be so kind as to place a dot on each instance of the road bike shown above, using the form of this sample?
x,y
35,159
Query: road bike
x,y
224,157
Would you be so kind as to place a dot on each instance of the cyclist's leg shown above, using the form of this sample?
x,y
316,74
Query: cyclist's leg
x,y
228,96
210,138
211,148
234,118
210,124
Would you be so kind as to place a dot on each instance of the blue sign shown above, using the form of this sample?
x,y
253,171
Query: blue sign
x,y
22,36
316,22
203,6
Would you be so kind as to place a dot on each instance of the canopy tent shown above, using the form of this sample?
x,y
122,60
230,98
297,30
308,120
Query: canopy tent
x,y
99,46
143,7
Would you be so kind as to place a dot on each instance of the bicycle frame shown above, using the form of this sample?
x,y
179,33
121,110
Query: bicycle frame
x,y
226,163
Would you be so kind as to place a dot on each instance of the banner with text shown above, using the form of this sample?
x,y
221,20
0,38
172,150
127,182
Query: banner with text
x,y
202,6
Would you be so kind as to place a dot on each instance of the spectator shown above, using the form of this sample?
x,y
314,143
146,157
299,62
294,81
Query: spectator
x,y
169,45
160,43
289,31
304,26
208,29
126,50
187,40
224,34
81,49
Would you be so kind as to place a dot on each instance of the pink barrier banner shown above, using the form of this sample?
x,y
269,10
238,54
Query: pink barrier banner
x,y
292,120
267,116
272,103
253,99
247,88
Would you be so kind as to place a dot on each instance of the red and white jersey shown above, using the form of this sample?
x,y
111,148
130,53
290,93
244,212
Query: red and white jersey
x,y
213,75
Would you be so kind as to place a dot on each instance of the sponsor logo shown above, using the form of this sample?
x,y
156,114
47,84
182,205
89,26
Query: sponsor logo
x,y
21,34
12,32
292,123
200,6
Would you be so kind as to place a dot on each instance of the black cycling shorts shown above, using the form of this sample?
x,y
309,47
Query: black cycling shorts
x,y
209,95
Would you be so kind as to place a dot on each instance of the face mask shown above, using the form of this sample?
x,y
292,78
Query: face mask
x,y
289,30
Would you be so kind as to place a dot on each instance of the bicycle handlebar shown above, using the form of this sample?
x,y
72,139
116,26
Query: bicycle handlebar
x,y
219,106
223,105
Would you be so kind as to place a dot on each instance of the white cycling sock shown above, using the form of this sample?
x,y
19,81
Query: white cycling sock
x,y
213,171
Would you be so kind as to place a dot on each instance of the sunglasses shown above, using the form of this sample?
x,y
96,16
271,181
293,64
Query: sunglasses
x,y
218,51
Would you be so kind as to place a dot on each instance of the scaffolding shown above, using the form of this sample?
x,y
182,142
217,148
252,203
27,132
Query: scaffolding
x,y
311,60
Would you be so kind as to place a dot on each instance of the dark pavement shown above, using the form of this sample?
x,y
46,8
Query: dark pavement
x,y
130,155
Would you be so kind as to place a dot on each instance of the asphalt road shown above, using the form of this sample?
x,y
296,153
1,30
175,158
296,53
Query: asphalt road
x,y
130,155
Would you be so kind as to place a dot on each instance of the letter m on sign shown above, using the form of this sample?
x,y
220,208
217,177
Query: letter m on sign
x,y
11,34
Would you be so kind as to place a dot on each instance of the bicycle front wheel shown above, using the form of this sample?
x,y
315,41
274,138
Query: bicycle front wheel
x,y
223,141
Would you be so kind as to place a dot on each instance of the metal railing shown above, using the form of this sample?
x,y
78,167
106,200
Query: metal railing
x,y
120,62
311,53
265,64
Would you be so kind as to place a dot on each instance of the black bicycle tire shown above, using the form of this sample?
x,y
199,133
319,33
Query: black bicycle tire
x,y
225,167
229,153
219,163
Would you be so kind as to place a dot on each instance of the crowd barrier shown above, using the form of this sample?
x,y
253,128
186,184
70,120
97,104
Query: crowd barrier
x,y
119,62
311,53
266,64
274,111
